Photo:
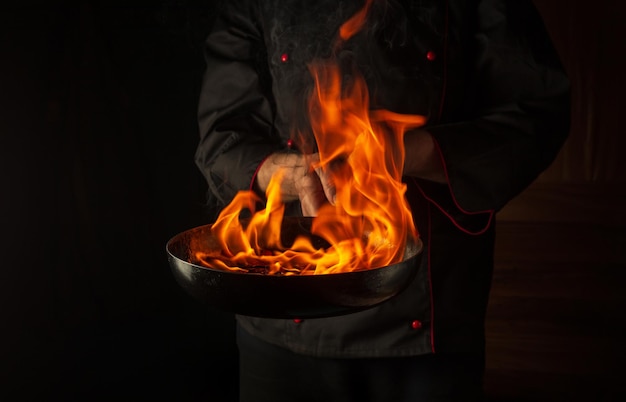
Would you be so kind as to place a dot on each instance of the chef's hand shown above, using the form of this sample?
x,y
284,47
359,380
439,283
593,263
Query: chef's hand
x,y
315,186
422,157
301,180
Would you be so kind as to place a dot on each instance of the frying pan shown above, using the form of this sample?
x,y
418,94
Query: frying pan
x,y
279,296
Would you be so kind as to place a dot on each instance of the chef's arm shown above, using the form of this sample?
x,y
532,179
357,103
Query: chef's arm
x,y
235,116
518,113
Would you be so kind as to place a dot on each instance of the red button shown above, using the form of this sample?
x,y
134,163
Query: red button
x,y
290,143
284,57
297,320
431,56
416,324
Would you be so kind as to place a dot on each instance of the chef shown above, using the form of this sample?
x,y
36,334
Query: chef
x,y
485,75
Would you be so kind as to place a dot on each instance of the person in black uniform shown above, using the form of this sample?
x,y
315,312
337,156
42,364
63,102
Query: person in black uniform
x,y
496,98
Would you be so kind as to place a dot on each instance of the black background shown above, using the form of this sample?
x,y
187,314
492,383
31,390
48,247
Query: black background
x,y
98,130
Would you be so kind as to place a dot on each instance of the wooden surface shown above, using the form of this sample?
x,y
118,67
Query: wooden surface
x,y
556,323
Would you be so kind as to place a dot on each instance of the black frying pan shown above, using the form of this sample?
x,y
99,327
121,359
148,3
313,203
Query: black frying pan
x,y
296,296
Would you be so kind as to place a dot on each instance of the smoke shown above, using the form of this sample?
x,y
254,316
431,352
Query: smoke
x,y
381,51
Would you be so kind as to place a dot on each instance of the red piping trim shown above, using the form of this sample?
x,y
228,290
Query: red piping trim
x,y
445,172
443,211
430,286
491,212
256,172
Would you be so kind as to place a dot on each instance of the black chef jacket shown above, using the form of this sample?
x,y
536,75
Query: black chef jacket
x,y
483,72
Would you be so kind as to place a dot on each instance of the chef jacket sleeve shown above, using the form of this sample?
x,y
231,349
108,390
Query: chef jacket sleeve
x,y
234,109
517,107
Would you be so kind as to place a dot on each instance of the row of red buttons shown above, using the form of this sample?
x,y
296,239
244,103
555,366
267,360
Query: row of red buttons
x,y
415,324
430,56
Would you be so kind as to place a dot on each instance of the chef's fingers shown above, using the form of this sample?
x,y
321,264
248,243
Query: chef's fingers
x,y
328,184
327,174
311,194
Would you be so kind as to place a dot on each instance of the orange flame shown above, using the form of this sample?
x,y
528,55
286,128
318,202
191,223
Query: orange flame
x,y
355,23
370,222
